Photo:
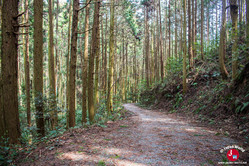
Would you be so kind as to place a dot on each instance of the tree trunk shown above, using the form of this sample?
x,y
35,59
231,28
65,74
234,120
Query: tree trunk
x,y
175,30
169,59
126,71
38,65
26,65
222,49
135,73
166,57
52,90
184,48
57,59
111,60
207,25
234,16
146,47
190,48
105,60
84,73
193,28
123,70
9,61
156,32
181,32
73,64
94,51
202,21
103,55
161,43
247,22
67,61
96,73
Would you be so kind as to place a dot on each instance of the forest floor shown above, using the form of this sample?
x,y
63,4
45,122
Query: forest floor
x,y
146,137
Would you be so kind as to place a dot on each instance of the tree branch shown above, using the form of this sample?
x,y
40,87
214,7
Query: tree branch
x,y
228,7
84,31
84,6
20,33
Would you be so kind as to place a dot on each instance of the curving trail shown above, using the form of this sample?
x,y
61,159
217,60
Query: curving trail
x,y
169,141
147,138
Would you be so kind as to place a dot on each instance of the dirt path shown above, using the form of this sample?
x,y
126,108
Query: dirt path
x,y
148,138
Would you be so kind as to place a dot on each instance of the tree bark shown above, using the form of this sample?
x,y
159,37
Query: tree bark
x,y
156,32
38,65
207,24
222,48
190,48
52,87
247,22
161,43
84,73
96,73
176,30
111,60
26,65
94,51
169,59
9,61
67,60
202,20
73,64
234,16
184,48
193,28
146,47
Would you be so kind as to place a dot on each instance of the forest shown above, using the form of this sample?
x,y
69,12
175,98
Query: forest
x,y
69,68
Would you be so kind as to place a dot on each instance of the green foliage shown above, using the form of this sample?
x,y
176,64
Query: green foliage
x,y
178,99
8,153
102,116
240,106
101,163
129,17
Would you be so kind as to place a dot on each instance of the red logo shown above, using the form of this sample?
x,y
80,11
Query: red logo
x,y
233,155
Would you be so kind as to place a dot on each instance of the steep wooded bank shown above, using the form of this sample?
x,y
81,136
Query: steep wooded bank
x,y
211,100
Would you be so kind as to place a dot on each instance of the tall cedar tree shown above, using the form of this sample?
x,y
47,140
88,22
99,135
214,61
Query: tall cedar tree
x,y
175,29
94,51
73,59
184,47
67,61
147,46
169,59
234,17
96,79
222,48
202,22
190,48
9,115
247,22
157,78
84,73
111,60
161,42
193,28
52,91
105,59
123,69
38,65
26,65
